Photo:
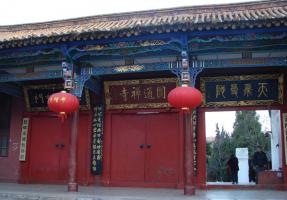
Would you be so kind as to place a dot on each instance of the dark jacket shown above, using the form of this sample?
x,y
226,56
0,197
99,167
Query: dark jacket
x,y
233,163
259,159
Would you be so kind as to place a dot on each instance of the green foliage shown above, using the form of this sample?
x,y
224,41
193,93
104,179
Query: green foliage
x,y
221,148
247,134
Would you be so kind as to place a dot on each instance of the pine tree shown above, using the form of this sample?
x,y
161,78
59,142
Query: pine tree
x,y
221,150
247,132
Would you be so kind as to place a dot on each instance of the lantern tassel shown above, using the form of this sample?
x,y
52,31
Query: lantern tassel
x,y
62,116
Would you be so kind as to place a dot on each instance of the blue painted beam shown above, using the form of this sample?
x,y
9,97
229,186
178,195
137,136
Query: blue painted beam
x,y
255,62
94,85
150,67
5,78
168,36
167,66
141,68
178,35
11,89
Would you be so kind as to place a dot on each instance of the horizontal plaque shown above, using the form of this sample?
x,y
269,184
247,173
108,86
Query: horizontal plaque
x,y
140,93
36,96
262,89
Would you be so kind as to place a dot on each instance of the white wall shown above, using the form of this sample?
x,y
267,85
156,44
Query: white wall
x,y
276,143
243,173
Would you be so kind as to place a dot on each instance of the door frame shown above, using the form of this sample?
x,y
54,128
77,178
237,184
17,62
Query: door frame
x,y
106,177
201,141
25,166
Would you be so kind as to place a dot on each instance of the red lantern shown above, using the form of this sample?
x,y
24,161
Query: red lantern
x,y
184,97
63,103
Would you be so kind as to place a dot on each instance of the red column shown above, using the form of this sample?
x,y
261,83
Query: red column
x,y
72,184
201,152
189,187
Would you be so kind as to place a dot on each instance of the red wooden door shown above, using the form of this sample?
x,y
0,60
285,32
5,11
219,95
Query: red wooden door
x,y
162,148
145,149
48,153
128,138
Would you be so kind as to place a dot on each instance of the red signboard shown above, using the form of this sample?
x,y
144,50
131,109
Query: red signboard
x,y
141,93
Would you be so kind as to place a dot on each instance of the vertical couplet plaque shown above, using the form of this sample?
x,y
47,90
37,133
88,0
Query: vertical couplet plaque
x,y
97,141
24,136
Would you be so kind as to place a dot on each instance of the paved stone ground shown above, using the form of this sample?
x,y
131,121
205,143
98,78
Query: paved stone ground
x,y
11,191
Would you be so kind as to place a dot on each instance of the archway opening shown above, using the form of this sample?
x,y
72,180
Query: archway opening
x,y
240,133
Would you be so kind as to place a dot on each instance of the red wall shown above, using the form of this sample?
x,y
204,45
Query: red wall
x,y
107,152
9,166
84,176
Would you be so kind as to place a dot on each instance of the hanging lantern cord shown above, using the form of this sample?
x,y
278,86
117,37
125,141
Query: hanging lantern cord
x,y
62,116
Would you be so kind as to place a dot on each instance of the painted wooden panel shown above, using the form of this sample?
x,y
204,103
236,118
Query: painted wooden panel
x,y
83,151
128,134
9,166
49,150
162,137
145,149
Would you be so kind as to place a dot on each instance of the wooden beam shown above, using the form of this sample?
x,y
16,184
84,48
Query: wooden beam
x,y
11,89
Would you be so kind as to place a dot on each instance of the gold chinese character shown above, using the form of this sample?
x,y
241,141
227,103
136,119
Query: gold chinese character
x,y
148,93
124,94
262,89
247,90
41,96
36,99
63,99
56,99
136,93
160,92
234,90
220,90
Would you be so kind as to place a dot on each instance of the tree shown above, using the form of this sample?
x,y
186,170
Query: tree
x,y
247,132
221,150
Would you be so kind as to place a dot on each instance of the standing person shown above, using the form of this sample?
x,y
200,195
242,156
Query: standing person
x,y
259,162
232,163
